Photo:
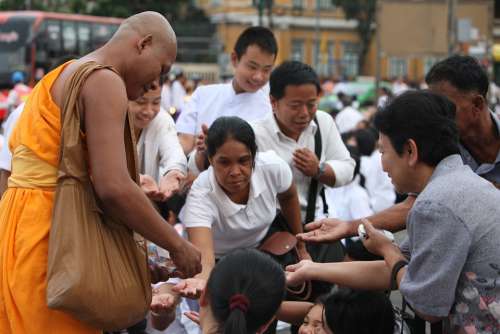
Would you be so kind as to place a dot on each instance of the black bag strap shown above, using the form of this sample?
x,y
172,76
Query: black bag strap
x,y
313,187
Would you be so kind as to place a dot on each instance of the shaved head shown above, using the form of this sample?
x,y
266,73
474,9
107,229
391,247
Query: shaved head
x,y
148,23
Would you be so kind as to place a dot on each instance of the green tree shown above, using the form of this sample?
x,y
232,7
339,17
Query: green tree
x,y
364,11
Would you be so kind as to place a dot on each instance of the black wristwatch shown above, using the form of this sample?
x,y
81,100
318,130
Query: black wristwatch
x,y
321,170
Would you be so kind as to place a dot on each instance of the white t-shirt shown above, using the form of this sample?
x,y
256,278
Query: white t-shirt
x,y
212,101
377,182
234,225
348,119
8,126
348,202
178,94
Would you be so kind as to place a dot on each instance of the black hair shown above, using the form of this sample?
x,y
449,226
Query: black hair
x,y
349,311
425,117
260,36
366,140
462,72
292,73
226,127
254,275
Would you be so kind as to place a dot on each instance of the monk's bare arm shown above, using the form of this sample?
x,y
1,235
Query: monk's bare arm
x,y
105,104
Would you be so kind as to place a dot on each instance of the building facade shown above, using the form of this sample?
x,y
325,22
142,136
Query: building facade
x,y
413,33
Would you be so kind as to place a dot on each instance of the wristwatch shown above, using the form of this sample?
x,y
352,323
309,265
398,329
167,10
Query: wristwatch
x,y
321,170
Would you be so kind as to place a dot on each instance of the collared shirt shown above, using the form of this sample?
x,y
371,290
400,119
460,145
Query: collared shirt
x,y
490,171
452,244
212,101
334,152
234,225
158,148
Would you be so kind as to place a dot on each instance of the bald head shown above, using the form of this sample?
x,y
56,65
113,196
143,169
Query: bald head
x,y
148,23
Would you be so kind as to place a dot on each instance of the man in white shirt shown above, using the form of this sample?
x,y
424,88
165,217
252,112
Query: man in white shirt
x,y
178,92
246,96
290,131
349,117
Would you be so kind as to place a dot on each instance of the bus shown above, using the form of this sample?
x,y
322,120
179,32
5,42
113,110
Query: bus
x,y
33,41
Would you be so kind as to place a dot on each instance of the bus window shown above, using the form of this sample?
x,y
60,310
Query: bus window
x,y
14,36
54,41
101,33
69,37
84,46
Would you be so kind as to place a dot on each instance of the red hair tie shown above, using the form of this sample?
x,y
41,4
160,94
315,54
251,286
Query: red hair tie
x,y
240,302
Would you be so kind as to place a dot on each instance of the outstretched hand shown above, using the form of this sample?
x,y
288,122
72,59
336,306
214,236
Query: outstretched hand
x,y
326,230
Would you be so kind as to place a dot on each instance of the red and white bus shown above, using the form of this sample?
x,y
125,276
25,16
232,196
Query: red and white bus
x,y
32,41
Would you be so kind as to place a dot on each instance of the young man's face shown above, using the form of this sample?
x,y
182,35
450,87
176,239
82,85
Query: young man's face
x,y
252,70
395,166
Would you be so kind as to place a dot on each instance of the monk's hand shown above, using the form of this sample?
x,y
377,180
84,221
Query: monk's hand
x,y
306,161
150,188
170,184
187,259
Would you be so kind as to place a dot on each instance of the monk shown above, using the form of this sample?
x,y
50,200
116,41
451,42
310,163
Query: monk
x,y
143,48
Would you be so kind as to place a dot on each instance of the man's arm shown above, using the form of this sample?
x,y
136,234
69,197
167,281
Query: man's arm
x,y
363,275
121,197
187,142
331,229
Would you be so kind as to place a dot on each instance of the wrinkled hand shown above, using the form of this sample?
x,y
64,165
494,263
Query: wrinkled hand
x,y
296,274
159,273
163,303
306,161
325,230
150,188
187,259
376,242
170,184
191,287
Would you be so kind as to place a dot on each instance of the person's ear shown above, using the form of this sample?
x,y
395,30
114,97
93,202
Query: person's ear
x,y
478,103
274,102
412,152
144,42
234,59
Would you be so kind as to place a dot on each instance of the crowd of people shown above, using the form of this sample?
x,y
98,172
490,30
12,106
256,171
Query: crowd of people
x,y
245,160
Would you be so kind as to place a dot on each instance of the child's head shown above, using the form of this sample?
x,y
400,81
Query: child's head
x,y
253,58
349,311
245,289
313,322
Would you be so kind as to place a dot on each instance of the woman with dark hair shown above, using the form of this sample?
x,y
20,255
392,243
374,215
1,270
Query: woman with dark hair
x,y
232,204
241,298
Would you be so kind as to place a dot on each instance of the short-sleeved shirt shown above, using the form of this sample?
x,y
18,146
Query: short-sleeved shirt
x,y
334,153
490,171
454,249
234,225
212,101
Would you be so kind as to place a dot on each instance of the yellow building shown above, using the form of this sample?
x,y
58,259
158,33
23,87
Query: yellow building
x,y
413,33
301,29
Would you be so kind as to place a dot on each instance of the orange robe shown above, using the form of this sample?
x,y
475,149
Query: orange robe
x,y
25,218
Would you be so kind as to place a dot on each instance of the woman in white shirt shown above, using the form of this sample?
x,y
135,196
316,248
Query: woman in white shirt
x,y
162,162
233,203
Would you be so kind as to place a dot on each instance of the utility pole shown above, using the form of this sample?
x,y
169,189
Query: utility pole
x,y
452,26
378,42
